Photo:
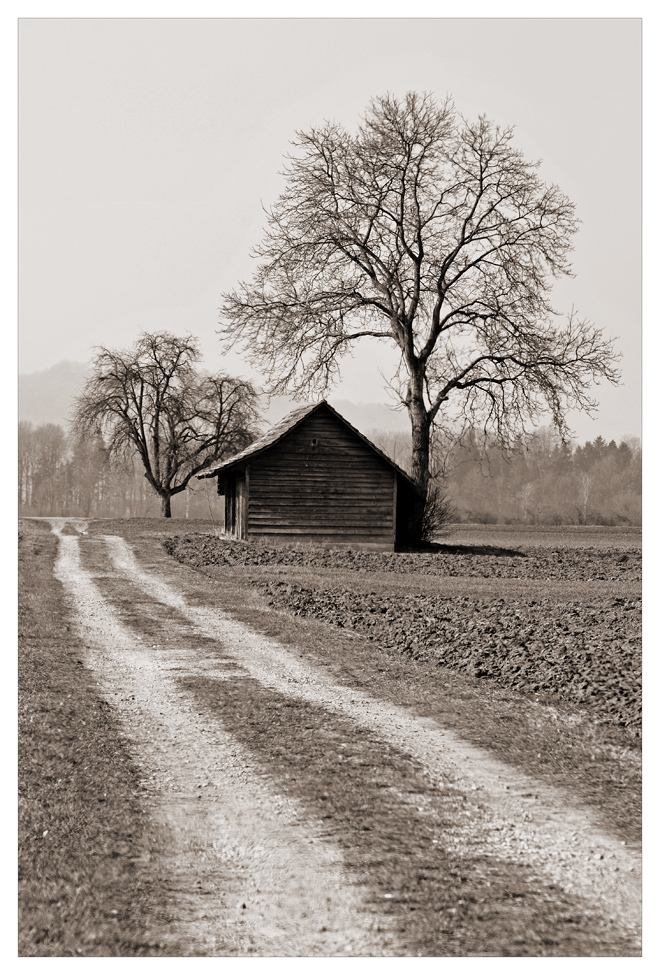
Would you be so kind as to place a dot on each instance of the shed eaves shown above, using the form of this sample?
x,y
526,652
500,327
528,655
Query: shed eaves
x,y
267,440
283,427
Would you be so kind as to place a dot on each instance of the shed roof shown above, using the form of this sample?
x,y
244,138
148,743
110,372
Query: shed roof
x,y
284,426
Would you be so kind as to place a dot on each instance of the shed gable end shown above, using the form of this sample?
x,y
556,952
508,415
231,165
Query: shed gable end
x,y
322,479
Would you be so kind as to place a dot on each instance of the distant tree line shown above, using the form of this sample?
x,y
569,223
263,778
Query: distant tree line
x,y
62,473
543,481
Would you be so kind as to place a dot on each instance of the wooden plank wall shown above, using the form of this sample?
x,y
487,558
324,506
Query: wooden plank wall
x,y
322,480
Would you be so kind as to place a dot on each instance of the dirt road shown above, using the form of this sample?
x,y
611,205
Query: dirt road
x,y
253,867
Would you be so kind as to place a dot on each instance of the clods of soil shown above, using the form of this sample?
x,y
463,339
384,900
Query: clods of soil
x,y
582,649
476,561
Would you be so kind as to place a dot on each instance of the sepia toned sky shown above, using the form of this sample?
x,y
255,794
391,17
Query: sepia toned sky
x,y
147,148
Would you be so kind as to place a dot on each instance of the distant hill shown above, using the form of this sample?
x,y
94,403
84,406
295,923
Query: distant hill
x,y
47,397
364,416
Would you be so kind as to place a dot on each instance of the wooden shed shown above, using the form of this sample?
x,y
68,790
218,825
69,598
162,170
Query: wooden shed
x,y
314,477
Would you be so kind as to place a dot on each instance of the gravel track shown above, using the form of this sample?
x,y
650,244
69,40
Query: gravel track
x,y
248,873
531,823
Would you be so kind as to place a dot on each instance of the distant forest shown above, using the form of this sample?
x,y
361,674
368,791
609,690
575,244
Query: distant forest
x,y
62,474
541,482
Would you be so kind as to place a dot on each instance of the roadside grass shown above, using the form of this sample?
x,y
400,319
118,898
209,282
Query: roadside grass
x,y
569,536
155,527
84,834
595,764
504,536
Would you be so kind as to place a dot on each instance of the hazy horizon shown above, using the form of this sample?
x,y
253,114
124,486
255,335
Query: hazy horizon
x,y
148,146
40,402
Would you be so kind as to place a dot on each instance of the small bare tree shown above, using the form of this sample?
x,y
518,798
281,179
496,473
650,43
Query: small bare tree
x,y
434,234
526,492
439,514
586,481
151,401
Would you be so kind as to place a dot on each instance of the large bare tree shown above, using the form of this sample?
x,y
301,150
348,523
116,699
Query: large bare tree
x,y
433,234
152,401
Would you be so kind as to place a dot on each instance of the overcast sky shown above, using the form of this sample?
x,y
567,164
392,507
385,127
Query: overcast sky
x,y
148,146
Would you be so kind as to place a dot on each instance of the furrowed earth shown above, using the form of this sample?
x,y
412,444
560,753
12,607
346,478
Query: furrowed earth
x,y
558,624
543,672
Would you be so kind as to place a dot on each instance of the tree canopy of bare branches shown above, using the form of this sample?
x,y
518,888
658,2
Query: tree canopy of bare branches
x,y
153,402
432,233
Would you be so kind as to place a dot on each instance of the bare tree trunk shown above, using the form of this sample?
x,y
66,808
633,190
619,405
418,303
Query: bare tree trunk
x,y
421,433
421,445
166,505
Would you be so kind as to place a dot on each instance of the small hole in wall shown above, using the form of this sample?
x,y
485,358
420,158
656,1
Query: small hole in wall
x,y
314,441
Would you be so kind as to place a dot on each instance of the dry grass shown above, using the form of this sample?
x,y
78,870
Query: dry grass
x,y
550,536
84,834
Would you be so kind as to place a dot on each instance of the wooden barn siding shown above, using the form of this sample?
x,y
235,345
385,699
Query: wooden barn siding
x,y
339,488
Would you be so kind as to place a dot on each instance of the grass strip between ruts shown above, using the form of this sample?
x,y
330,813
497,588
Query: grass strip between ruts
x,y
396,830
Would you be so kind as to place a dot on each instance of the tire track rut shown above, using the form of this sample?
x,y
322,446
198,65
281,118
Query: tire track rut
x,y
248,872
